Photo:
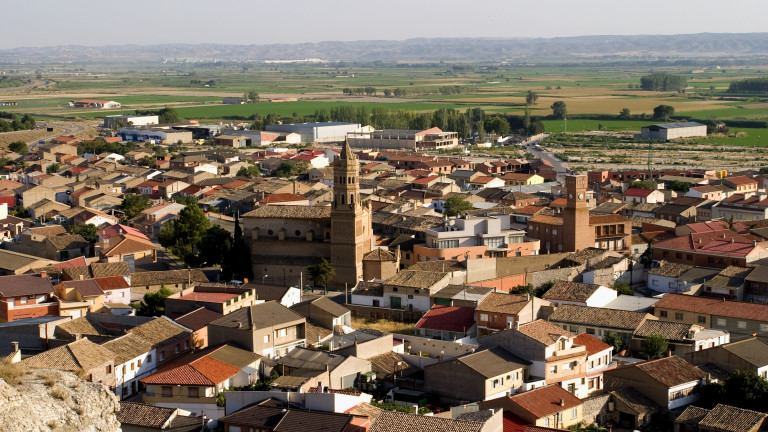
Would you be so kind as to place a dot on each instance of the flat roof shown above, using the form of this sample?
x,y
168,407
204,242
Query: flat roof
x,y
211,297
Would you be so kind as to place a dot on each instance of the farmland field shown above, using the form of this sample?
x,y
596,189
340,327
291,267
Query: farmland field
x,y
195,91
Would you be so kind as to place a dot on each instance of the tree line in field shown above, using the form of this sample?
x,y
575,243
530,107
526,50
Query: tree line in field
x,y
750,85
465,123
10,122
413,91
663,82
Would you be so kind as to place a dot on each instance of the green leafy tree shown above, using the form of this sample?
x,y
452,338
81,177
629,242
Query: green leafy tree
x,y
663,112
133,205
153,304
746,389
643,184
623,288
559,110
250,171
218,243
663,82
456,206
52,168
322,272
19,147
89,232
238,262
168,115
654,346
679,186
251,96
613,339
183,235
288,169
531,98
148,161
582,426
530,290
624,114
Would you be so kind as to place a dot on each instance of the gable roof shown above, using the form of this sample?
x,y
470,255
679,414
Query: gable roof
x,y
24,285
710,306
416,279
198,318
669,371
503,303
591,343
160,331
302,421
258,316
390,421
753,350
544,332
127,347
139,414
448,318
492,362
672,331
600,317
571,291
544,401
728,418
79,355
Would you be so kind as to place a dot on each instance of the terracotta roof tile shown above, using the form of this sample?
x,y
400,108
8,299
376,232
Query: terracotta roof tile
x,y
544,401
571,291
544,332
716,307
390,421
599,317
592,344
448,318
138,414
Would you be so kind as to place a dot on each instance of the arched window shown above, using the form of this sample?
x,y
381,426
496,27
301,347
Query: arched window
x,y
342,196
351,198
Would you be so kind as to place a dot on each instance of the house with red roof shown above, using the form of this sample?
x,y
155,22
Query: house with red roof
x,y
116,289
599,360
451,323
742,185
193,381
741,319
549,406
118,229
717,249
128,248
78,297
643,196
26,296
483,182
741,207
221,299
284,199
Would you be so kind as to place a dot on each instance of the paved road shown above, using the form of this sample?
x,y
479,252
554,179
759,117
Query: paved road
x,y
559,165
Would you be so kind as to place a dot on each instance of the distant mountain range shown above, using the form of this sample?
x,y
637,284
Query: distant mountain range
x,y
422,49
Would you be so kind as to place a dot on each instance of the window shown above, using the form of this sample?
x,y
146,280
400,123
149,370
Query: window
x,y
410,296
125,369
109,369
483,317
194,392
672,284
590,331
721,322
495,383
167,391
282,332
266,338
574,413
394,289
177,348
678,316
655,282
741,324
553,369
546,422
702,319
149,358
139,362
662,314
133,366
764,327
23,300
376,303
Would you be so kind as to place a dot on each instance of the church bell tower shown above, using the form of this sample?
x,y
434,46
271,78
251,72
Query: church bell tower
x,y
351,232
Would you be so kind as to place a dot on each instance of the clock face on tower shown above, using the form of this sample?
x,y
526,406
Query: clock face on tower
x,y
581,196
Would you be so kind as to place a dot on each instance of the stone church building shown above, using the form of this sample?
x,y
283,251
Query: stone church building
x,y
285,239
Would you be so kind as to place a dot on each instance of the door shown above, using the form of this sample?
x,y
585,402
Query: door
x,y
395,302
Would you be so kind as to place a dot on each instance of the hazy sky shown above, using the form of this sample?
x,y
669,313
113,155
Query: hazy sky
x,y
143,22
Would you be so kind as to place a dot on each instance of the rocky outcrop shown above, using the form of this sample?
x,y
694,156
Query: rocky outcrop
x,y
49,400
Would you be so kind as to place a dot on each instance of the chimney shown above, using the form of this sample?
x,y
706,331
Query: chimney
x,y
43,274
78,336
562,402
15,346
754,242
732,240
81,277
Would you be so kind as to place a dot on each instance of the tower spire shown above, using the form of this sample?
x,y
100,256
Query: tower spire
x,y
346,152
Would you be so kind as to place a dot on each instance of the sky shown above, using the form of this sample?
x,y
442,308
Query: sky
x,y
142,22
